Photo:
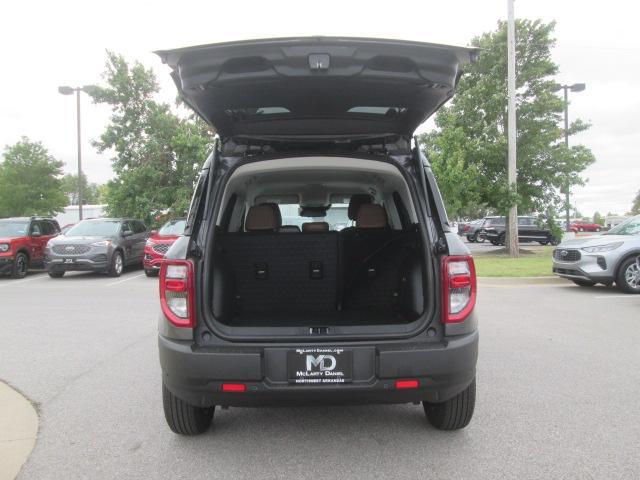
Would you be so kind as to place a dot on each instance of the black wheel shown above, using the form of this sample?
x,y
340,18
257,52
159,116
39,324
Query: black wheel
x,y
502,239
183,418
544,242
117,265
151,273
583,283
598,229
495,242
628,279
553,241
455,413
56,273
471,238
20,266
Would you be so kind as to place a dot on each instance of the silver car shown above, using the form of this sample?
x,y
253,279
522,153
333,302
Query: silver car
x,y
611,257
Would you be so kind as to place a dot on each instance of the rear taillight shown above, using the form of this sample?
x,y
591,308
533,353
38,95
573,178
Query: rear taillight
x,y
177,292
459,288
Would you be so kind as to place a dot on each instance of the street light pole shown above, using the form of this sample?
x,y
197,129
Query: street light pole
x,y
65,90
512,175
80,192
576,87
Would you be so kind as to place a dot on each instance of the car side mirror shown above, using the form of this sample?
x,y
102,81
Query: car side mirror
x,y
36,234
127,233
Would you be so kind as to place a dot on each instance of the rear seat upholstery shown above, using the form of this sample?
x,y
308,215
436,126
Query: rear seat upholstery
x,y
263,270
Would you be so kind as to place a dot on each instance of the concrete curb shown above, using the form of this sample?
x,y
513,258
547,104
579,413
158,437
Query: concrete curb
x,y
18,431
521,280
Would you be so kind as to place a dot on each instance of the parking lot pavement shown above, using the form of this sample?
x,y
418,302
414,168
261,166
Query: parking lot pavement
x,y
558,391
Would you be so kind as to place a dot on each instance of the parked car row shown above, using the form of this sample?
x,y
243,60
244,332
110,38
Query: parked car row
x,y
104,245
493,229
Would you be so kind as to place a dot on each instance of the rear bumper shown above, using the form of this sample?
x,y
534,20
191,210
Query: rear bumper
x,y
443,370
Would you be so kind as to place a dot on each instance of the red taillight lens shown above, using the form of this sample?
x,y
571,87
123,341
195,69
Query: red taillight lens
x,y
459,288
177,292
406,384
234,387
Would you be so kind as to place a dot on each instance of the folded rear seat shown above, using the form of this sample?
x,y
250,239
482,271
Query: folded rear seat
x,y
275,272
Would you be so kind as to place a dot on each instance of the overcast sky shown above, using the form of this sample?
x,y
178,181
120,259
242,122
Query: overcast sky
x,y
46,44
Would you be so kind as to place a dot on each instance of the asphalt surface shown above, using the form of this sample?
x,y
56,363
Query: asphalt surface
x,y
558,390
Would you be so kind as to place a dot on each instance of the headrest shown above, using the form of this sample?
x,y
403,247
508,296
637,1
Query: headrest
x,y
263,217
371,216
315,227
289,229
355,202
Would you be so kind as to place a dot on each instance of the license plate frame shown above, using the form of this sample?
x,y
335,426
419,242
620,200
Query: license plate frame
x,y
68,261
320,366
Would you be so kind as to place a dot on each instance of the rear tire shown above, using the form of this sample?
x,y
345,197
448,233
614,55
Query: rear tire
x,y
56,273
628,279
455,413
183,418
117,265
150,273
583,283
20,265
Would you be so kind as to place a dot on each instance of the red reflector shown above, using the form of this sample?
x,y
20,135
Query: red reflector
x,y
460,281
234,387
404,384
175,285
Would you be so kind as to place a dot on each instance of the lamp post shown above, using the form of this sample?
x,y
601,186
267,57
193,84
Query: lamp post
x,y
65,90
576,87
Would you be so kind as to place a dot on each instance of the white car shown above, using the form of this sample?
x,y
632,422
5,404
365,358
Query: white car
x,y
611,257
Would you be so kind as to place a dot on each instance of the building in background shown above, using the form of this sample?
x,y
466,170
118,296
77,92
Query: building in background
x,y
70,214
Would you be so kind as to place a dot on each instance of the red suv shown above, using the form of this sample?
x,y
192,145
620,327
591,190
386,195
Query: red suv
x,y
22,243
158,244
580,226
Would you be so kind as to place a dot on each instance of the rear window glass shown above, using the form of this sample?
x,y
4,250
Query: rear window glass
x,y
494,221
336,216
240,113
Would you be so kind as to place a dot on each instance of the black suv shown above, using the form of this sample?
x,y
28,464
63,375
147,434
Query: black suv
x,y
530,229
254,312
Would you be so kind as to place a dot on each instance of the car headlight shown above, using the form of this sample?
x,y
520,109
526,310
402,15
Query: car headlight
x,y
101,243
4,247
602,248
150,243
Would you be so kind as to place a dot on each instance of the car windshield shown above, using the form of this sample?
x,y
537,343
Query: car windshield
x,y
630,227
173,227
13,229
92,228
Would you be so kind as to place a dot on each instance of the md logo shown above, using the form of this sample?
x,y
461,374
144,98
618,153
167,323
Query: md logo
x,y
324,362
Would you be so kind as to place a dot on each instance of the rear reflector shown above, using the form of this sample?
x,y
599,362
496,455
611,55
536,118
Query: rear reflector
x,y
405,384
234,387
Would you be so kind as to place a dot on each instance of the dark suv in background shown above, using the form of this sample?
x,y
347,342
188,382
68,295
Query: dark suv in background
x,y
23,241
530,229
104,245
257,312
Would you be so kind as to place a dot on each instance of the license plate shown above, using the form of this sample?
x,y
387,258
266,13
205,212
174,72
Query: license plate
x,y
314,366
69,260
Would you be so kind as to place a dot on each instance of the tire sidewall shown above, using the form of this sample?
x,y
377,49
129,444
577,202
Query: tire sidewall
x,y
116,270
20,265
621,280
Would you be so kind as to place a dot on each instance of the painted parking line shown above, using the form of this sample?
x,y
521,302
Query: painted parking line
x,y
10,282
617,296
125,280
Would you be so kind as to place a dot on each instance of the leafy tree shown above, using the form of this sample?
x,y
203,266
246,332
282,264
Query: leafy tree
x,y
90,191
30,181
468,150
157,153
598,218
635,208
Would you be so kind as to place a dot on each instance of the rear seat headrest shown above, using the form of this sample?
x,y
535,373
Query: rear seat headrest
x,y
371,216
263,217
355,202
315,227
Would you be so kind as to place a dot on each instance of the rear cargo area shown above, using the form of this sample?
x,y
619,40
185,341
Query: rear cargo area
x,y
318,279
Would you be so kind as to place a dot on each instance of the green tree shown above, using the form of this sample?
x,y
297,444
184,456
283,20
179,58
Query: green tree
x,y
635,208
157,154
30,181
598,218
468,150
90,191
